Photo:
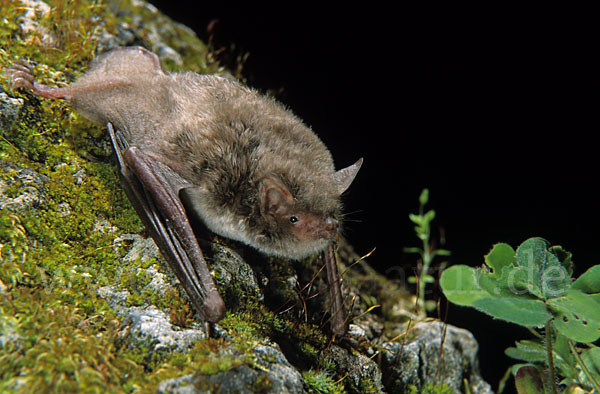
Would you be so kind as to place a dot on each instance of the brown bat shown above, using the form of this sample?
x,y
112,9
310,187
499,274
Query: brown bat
x,y
191,144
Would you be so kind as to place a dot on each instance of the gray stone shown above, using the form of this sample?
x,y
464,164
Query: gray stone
x,y
31,188
9,109
141,248
150,325
34,10
432,356
273,374
359,371
233,275
9,336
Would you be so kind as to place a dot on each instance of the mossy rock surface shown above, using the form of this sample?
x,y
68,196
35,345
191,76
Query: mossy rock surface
x,y
86,302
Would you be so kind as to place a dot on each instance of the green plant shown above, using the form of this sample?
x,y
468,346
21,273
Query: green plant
x,y
427,251
532,287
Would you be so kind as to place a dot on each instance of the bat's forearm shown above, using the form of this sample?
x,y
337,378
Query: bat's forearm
x,y
339,315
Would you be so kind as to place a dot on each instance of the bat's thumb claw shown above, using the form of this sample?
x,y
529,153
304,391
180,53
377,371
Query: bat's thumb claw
x,y
214,307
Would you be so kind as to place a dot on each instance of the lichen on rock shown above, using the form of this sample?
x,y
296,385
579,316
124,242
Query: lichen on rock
x,y
87,302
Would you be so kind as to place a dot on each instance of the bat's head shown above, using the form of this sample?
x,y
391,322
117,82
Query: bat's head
x,y
297,221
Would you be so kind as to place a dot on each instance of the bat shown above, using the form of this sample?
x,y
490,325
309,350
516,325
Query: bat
x,y
204,146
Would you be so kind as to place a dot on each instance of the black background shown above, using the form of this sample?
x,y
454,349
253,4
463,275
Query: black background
x,y
492,108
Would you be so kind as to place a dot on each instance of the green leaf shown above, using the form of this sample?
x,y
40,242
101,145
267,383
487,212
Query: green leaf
x,y
509,285
542,272
424,197
577,316
500,256
527,350
595,297
429,216
416,219
589,281
526,312
413,250
563,351
428,279
460,286
591,358
531,258
519,281
440,252
529,381
555,280
564,256
532,251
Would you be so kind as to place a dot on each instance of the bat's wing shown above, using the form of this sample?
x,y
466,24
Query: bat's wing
x,y
153,191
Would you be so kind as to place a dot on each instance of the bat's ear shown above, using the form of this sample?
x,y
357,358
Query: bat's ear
x,y
275,198
344,177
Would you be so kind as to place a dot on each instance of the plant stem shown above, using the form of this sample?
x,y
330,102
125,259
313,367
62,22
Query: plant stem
x,y
584,367
426,256
424,270
550,356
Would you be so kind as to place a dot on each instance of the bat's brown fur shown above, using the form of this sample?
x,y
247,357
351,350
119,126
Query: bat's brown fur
x,y
224,139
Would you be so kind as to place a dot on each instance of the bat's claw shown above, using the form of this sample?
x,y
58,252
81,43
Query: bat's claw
x,y
20,75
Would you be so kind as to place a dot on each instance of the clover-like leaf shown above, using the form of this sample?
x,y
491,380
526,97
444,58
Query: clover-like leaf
x,y
519,281
577,316
565,257
532,252
501,255
509,283
540,269
591,358
459,284
589,281
528,380
531,258
554,277
523,311
527,350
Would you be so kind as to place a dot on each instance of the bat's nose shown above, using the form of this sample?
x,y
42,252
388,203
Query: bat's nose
x,y
330,226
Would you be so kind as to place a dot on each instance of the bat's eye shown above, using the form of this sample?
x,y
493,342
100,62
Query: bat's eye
x,y
293,219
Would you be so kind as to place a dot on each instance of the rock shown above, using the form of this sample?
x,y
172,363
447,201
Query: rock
x,y
30,185
234,275
141,248
274,375
9,109
34,10
434,353
103,225
9,336
150,325
361,373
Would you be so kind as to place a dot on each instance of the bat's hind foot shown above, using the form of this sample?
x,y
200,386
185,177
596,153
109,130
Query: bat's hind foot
x,y
20,75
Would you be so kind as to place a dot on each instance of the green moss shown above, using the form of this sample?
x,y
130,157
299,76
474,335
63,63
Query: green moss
x,y
430,389
262,385
13,243
367,386
54,258
61,346
320,382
